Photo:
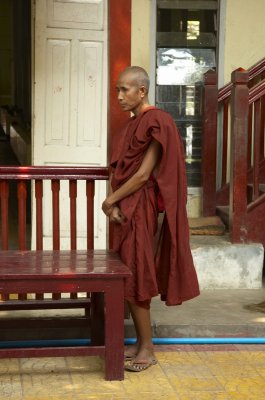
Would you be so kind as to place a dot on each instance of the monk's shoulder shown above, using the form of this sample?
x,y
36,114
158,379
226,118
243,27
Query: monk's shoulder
x,y
158,117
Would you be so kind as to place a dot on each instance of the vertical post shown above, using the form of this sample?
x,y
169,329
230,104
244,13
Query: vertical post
x,y
238,156
56,214
225,139
209,143
90,193
4,213
22,196
119,58
256,148
39,216
73,195
114,331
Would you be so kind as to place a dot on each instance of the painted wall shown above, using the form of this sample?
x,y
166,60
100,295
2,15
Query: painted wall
x,y
244,34
140,52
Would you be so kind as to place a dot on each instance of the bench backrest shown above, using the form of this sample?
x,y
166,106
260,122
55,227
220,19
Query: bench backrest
x,y
24,176
23,179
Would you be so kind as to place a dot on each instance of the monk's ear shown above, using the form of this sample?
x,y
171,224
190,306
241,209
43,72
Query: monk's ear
x,y
143,91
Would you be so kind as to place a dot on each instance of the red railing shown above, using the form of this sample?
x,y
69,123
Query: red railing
x,y
216,128
21,175
242,103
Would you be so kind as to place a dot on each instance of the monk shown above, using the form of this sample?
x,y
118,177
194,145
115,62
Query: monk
x,y
148,176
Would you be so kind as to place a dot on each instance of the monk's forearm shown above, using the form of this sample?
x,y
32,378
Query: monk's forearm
x,y
136,181
131,186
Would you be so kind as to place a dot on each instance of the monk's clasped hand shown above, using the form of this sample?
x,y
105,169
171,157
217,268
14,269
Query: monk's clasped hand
x,y
107,207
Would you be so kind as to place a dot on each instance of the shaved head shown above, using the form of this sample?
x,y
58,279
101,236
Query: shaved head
x,y
139,75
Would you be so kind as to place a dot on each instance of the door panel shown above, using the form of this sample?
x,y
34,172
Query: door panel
x,y
70,92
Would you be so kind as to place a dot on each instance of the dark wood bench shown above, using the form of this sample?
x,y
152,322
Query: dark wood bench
x,y
89,279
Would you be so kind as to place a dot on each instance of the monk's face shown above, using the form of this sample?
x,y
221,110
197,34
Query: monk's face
x,y
130,94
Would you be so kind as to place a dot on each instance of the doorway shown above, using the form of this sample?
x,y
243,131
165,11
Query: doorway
x,y
15,79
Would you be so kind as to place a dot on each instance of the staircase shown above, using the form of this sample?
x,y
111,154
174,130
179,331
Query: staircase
x,y
233,166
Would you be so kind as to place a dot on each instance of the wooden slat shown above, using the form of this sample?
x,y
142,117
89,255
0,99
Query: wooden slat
x,y
73,228
262,127
250,121
4,187
56,214
56,221
225,140
256,152
90,193
39,214
22,197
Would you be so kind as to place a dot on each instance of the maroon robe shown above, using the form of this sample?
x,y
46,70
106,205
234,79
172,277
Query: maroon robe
x,y
167,270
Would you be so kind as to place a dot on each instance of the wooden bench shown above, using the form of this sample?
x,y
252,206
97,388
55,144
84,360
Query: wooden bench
x,y
89,279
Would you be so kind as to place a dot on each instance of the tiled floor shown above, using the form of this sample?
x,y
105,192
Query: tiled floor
x,y
183,372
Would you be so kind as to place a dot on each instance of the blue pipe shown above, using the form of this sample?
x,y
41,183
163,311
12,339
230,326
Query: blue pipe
x,y
86,342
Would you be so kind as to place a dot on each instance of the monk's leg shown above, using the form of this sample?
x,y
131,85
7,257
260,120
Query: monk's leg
x,y
132,350
142,322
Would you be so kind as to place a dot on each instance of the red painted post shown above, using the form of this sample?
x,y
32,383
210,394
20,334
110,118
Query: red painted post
x,y
73,195
256,148
119,58
209,143
39,216
56,214
238,156
22,196
4,213
90,193
250,122
226,103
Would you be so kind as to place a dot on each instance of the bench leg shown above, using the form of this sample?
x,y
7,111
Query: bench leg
x,y
97,319
114,332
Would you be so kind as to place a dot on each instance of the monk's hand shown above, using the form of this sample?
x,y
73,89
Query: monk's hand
x,y
116,215
107,206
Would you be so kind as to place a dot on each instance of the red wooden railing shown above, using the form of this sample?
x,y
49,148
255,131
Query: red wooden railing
x,y
21,175
243,104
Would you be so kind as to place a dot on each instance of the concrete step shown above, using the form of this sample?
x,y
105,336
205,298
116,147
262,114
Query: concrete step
x,y
223,265
215,313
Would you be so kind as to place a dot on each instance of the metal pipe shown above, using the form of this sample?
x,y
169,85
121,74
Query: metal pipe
x,y
161,341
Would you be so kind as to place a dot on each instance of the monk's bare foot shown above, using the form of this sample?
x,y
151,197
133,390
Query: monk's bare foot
x,y
144,354
144,359
131,351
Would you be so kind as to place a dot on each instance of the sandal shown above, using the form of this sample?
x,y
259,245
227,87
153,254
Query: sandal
x,y
139,366
129,358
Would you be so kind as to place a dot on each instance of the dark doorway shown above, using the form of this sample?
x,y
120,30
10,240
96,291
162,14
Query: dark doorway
x,y
15,77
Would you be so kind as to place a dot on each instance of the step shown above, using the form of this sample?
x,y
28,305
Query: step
x,y
221,264
206,226
223,213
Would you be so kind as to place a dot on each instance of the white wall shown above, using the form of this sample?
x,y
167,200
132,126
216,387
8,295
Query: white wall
x,y
244,34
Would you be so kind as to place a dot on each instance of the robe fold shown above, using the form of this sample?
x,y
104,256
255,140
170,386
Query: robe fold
x,y
168,269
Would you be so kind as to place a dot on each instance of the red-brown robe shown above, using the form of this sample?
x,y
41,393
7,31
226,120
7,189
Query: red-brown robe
x,y
167,270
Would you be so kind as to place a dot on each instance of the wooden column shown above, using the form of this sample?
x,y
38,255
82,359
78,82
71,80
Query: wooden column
x,y
239,152
209,143
119,58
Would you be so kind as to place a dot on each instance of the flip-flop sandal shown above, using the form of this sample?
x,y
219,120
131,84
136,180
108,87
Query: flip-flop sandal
x,y
129,358
139,366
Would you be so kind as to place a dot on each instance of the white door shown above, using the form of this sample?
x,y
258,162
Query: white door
x,y
70,98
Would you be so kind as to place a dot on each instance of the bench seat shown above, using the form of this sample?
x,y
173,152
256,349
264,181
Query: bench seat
x,y
99,272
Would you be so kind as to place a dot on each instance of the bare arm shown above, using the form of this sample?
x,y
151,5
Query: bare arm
x,y
136,181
